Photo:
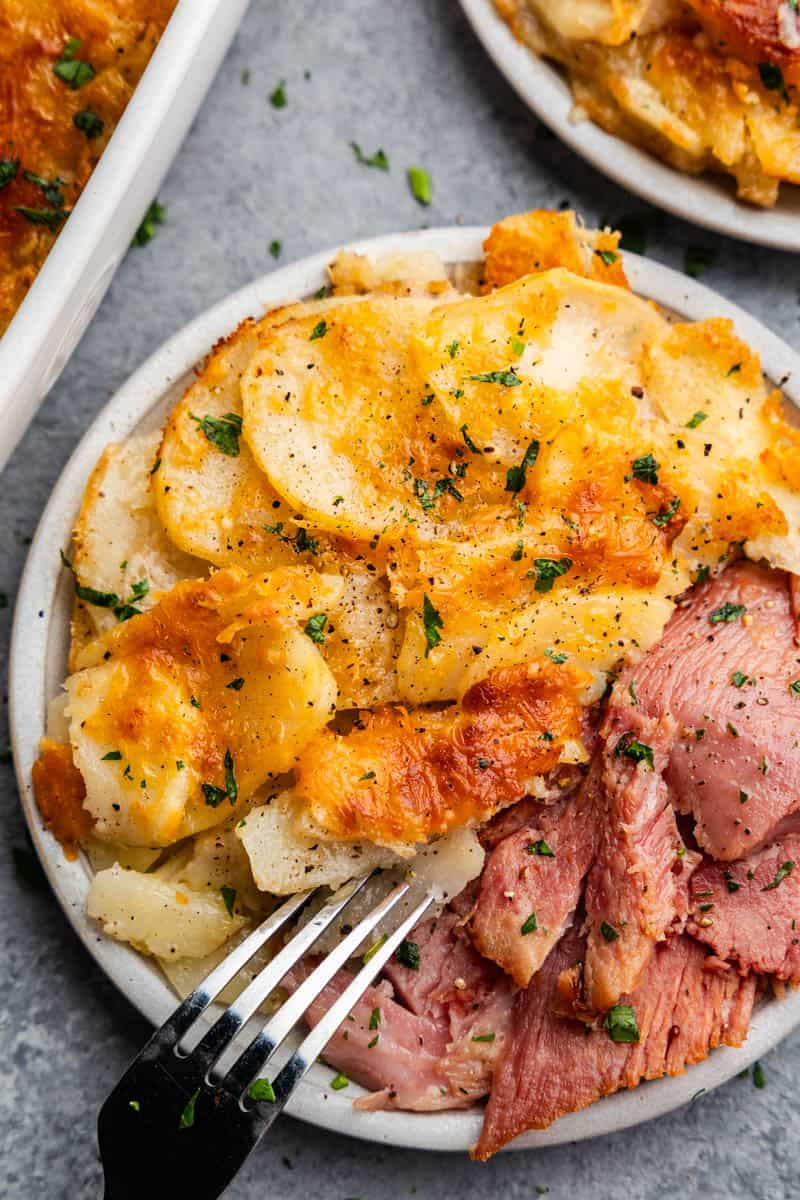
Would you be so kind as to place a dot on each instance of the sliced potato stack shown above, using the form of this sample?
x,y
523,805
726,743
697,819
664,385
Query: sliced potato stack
x,y
389,546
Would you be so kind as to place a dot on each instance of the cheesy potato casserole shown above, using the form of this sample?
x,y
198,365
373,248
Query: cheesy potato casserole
x,y
68,68
360,602
704,84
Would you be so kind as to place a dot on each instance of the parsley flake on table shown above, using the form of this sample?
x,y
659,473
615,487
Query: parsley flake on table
x,y
155,215
378,159
277,97
420,183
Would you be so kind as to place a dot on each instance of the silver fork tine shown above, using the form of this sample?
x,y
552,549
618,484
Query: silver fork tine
x,y
260,1050
223,1031
315,1042
176,1026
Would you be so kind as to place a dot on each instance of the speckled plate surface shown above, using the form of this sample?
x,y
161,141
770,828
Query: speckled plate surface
x,y
38,666
706,200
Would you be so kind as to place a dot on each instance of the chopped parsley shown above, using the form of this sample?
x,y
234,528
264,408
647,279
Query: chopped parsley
x,y
373,950
555,656
698,259
367,775
51,217
50,188
155,466
229,898
730,882
339,1082
261,1089
784,870
508,378
517,347
427,399
135,1105
222,432
319,330
484,764
420,183
301,543
516,476
772,79
155,215
608,931
483,1037
530,925
697,418
609,257
759,1080
315,628
187,1116
794,686
468,442
727,613
547,570
378,159
517,552
431,623
235,685
407,953
89,123
739,679
195,703
275,248
375,1018
112,756
8,171
743,796
734,370
665,515
645,469
629,747
215,795
71,70
621,1024
541,847
278,96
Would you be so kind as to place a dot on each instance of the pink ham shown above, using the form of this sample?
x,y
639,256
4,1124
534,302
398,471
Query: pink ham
x,y
532,880
439,1051
552,1065
636,892
748,912
734,761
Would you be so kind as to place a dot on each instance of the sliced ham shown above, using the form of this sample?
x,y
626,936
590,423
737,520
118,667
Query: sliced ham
x,y
748,912
552,1065
723,673
437,1048
531,883
636,892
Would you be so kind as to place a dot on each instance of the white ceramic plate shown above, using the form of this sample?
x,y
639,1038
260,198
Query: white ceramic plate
x,y
38,663
703,200
76,273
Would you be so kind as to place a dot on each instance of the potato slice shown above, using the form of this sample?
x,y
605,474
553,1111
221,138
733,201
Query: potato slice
x,y
285,859
333,414
193,705
119,541
158,917
363,640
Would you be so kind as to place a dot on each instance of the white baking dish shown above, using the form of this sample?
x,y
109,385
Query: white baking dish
x,y
76,273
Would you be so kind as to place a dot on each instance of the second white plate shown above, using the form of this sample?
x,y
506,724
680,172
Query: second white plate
x,y
704,200
38,666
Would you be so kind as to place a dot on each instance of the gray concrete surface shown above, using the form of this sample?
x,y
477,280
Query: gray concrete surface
x,y
407,76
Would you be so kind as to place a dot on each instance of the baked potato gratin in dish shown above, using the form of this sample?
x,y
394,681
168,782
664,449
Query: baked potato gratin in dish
x,y
485,577
704,84
69,68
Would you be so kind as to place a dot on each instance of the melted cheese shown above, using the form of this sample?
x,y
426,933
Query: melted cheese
x,y
155,718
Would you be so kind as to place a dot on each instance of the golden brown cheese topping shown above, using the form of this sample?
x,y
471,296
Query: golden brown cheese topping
x,y
59,789
67,71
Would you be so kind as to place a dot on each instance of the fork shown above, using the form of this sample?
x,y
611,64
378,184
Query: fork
x,y
181,1121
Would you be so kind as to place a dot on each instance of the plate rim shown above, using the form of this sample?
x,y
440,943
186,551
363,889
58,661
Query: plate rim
x,y
42,603
702,200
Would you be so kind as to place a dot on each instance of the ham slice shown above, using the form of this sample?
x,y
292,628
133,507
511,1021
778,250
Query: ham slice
x,y
551,1065
636,892
436,1049
748,912
531,883
723,672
